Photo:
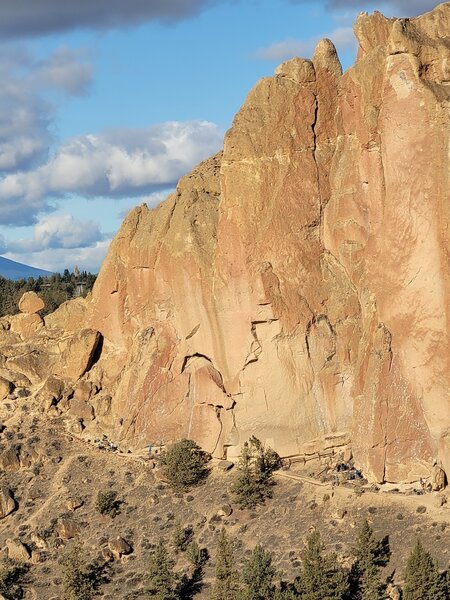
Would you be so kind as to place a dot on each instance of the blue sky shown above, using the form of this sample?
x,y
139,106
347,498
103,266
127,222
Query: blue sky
x,y
106,106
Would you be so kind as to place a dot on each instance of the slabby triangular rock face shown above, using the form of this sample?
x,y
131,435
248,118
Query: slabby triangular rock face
x,y
296,286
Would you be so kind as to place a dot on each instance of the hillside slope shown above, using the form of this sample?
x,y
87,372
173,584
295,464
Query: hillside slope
x,y
10,269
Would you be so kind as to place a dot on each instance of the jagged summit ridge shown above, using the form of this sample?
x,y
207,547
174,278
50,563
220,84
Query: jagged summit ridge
x,y
295,286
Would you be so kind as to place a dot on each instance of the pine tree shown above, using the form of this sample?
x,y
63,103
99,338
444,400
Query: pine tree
x,y
184,464
321,577
162,583
226,585
256,465
79,578
370,554
422,578
258,576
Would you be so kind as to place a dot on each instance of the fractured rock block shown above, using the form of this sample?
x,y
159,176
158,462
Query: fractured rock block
x,y
31,303
7,502
78,356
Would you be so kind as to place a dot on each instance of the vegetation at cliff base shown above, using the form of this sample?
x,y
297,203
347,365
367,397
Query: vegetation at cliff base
x,y
184,464
256,466
53,290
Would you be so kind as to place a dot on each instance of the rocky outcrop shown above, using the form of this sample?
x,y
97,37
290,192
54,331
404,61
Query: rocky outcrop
x,y
7,502
296,285
31,303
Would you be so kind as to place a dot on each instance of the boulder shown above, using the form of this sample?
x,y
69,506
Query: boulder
x,y
17,551
67,528
119,547
9,461
6,388
26,325
81,409
31,303
7,502
225,511
77,358
51,392
438,479
73,503
39,541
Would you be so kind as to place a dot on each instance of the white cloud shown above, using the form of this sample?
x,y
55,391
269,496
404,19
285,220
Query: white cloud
x,y
120,163
51,259
342,37
59,231
65,69
25,110
151,200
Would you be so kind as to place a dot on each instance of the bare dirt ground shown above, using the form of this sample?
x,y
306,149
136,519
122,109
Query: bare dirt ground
x,y
57,472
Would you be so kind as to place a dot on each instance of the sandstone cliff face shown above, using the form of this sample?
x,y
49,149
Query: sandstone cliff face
x,y
296,286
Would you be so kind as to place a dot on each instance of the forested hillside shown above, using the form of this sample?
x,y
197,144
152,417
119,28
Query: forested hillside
x,y
54,290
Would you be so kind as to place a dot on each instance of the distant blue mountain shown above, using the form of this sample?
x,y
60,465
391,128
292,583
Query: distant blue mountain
x,y
14,270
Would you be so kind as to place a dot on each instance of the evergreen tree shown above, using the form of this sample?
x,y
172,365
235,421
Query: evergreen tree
x,y
184,464
11,579
258,576
182,536
80,579
422,578
285,594
321,577
162,582
256,465
226,585
370,554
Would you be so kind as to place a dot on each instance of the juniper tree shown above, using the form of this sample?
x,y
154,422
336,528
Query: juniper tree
x,y
370,556
422,578
258,576
321,577
256,465
184,464
162,581
226,584
11,579
79,578
182,536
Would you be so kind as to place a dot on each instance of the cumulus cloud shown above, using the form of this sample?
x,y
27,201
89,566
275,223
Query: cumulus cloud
x,y
58,242
51,259
65,69
40,17
342,37
118,163
402,8
25,110
59,231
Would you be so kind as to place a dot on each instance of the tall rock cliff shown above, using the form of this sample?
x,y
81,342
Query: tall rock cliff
x,y
295,286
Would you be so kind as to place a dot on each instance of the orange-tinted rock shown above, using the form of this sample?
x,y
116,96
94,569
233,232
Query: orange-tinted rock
x,y
296,287
7,502
79,354
31,303
6,388
26,325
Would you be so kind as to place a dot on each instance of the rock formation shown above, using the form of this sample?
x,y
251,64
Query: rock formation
x,y
295,286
